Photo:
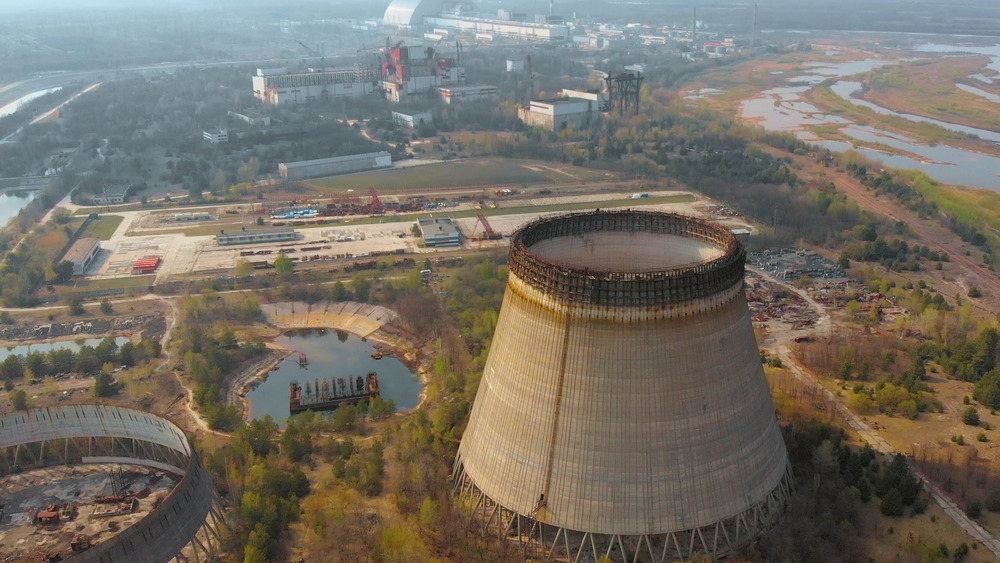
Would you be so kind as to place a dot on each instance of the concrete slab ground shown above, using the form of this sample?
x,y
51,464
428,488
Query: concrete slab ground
x,y
183,255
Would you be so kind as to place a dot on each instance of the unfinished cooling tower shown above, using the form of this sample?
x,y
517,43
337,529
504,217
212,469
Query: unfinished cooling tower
x,y
623,408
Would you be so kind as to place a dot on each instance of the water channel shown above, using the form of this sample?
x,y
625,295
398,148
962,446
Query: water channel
x,y
331,353
45,347
782,109
16,104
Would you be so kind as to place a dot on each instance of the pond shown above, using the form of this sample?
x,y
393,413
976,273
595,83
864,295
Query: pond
x,y
12,202
44,347
331,353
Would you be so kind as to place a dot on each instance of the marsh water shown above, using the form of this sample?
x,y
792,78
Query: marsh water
x,y
330,353
783,109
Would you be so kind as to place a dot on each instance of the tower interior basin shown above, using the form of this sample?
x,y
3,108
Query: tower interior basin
x,y
627,252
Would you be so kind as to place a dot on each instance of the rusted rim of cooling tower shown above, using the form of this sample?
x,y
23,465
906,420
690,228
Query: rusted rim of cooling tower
x,y
667,286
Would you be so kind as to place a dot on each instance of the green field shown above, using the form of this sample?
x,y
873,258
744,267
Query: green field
x,y
470,172
103,228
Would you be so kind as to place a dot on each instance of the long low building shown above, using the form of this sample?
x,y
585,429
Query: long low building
x,y
82,254
255,237
336,165
501,28
559,113
300,88
468,93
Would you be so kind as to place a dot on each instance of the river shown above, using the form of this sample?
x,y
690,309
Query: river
x,y
783,109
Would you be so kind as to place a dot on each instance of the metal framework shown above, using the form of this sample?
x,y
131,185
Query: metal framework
x,y
623,91
547,542
649,288
188,523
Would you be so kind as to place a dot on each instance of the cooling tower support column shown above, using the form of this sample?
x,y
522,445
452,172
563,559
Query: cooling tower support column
x,y
623,409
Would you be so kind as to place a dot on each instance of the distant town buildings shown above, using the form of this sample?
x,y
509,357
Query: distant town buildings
x,y
336,165
253,118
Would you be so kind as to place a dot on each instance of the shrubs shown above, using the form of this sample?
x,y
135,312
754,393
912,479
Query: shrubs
x,y
971,416
975,508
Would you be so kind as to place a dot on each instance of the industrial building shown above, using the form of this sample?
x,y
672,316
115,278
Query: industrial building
x,y
253,118
255,237
185,525
468,93
557,114
300,88
623,410
335,165
439,231
412,120
82,254
216,136
409,13
111,195
496,27
407,71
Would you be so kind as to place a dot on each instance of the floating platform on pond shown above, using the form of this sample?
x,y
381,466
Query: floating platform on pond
x,y
327,395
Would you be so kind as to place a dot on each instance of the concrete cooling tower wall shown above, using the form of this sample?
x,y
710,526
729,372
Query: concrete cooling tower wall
x,y
623,408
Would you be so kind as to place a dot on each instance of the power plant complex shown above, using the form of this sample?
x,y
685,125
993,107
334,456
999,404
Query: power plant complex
x,y
623,409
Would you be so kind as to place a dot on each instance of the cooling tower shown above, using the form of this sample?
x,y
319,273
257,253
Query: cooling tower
x,y
623,409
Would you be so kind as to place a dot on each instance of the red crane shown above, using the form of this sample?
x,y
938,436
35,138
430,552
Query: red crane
x,y
489,233
375,207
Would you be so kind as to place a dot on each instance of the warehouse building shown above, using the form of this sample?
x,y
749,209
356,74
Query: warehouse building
x,y
336,165
470,93
300,88
439,231
558,113
82,254
255,237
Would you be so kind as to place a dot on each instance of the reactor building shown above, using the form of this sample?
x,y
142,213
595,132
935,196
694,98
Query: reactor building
x,y
623,409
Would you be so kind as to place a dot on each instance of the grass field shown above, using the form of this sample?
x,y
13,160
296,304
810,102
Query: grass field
x,y
103,228
468,172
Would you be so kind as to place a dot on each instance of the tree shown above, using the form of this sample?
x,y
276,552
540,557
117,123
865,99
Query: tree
x,y
971,416
974,509
106,306
243,268
19,399
11,368
105,385
283,265
63,271
76,305
892,503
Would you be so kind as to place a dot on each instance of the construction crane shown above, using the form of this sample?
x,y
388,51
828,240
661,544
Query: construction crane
x,y
488,232
376,207
320,56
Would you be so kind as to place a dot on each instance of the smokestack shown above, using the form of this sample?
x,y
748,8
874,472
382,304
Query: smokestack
x,y
753,39
551,12
694,27
623,401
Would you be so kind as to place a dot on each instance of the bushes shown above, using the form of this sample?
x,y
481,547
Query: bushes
x,y
971,417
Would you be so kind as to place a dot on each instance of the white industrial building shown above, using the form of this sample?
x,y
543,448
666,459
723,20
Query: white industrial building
x,y
502,28
396,90
336,165
82,254
280,89
412,120
468,93
216,136
559,113
439,231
